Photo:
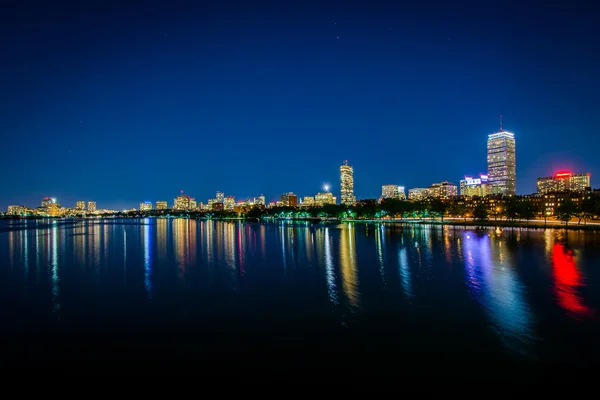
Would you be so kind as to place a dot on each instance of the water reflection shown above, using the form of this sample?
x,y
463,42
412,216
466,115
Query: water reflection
x,y
567,280
55,279
148,273
493,281
404,269
329,267
348,263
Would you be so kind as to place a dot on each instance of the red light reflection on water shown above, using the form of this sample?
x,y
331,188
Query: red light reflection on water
x,y
566,281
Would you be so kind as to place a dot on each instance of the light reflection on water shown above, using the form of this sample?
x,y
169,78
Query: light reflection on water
x,y
503,276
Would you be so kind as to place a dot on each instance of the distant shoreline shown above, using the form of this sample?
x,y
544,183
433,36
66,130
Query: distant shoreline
x,y
551,224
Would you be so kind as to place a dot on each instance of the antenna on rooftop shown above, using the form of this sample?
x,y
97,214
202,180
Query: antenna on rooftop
x,y
500,122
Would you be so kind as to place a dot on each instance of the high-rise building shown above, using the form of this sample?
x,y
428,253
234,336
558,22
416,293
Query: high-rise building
x,y
323,198
347,184
80,205
229,203
442,190
564,182
161,205
289,199
401,193
145,206
220,197
501,159
260,200
308,201
418,194
389,192
91,207
184,202
470,186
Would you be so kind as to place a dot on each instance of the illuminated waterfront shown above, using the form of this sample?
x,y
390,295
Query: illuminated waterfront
x,y
357,290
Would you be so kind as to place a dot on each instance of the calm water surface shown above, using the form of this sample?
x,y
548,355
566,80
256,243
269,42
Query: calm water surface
x,y
186,287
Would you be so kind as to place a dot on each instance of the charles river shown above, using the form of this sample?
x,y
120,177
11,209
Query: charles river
x,y
358,296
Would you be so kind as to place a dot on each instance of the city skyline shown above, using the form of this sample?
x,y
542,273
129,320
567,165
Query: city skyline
x,y
242,98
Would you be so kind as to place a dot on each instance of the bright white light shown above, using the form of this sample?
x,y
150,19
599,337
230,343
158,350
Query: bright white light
x,y
326,187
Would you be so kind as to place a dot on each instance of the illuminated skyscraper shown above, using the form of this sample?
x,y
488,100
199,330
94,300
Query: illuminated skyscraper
x,y
184,202
347,184
146,206
389,192
501,158
161,205
220,197
91,206
80,205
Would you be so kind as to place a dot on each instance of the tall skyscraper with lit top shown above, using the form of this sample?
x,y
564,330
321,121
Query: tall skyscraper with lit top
x,y
501,159
347,183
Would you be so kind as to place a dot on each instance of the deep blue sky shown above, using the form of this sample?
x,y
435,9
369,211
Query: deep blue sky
x,y
124,103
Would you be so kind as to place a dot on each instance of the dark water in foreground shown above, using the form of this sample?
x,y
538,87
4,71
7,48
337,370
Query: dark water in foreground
x,y
354,296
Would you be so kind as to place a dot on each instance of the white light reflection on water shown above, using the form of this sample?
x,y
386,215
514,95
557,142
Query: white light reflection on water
x,y
55,278
493,281
148,272
329,275
405,277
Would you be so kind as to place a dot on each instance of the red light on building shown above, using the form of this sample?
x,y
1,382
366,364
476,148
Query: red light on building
x,y
563,174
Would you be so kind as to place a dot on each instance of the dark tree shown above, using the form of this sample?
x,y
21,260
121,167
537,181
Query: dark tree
x,y
480,213
566,210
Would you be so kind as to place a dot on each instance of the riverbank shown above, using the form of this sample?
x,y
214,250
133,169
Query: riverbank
x,y
550,224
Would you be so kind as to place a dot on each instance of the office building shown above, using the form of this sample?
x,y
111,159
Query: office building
x,y
80,205
470,186
323,198
564,182
308,201
146,206
417,194
442,190
229,203
16,210
401,193
347,184
184,202
161,205
289,200
260,200
501,160
91,206
389,192
220,197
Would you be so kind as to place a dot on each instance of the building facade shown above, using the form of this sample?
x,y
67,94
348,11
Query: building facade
x,y
289,199
80,205
161,205
91,206
564,182
347,184
442,190
389,192
184,202
470,186
501,161
417,194
323,198
145,206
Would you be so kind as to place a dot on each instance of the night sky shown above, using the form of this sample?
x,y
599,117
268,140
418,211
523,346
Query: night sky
x,y
125,103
